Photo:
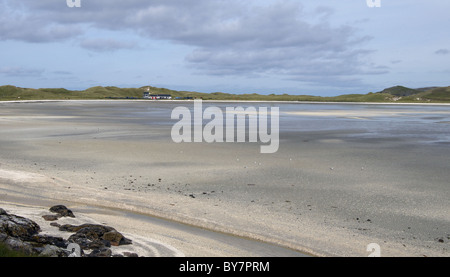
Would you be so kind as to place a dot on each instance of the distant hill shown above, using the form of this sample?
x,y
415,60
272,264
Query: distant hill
x,y
438,94
427,94
425,89
392,94
400,91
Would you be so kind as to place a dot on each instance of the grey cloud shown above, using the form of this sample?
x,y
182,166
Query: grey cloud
x,y
244,38
62,72
32,31
18,71
442,52
19,22
106,45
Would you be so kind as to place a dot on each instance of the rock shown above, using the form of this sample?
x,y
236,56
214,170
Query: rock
x,y
68,228
48,240
113,237
125,241
99,244
53,251
17,244
100,229
94,236
62,210
82,242
102,252
21,234
50,217
17,226
90,236
130,254
55,224
441,240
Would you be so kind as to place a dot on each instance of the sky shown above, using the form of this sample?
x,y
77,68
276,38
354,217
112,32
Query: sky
x,y
315,47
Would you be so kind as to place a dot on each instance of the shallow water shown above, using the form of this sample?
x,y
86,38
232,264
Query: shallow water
x,y
418,123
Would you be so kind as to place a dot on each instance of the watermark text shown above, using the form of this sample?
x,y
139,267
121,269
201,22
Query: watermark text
x,y
222,128
374,249
73,3
373,3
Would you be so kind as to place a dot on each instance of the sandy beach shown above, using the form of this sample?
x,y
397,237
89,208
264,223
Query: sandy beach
x,y
328,191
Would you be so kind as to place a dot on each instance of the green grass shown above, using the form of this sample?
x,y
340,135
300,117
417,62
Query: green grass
x,y
6,252
441,94
393,94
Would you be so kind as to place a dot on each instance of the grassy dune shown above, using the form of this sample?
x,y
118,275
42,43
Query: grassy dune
x,y
393,94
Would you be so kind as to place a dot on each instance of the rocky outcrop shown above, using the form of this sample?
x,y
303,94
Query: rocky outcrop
x,y
93,236
17,226
60,211
22,234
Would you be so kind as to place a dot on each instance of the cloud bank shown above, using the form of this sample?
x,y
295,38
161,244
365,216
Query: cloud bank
x,y
227,37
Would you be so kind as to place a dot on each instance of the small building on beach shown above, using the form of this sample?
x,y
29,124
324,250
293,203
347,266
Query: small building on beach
x,y
157,96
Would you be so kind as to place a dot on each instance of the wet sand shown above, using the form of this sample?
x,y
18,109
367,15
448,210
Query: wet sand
x,y
326,192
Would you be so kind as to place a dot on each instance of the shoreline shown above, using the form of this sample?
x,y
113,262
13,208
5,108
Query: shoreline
x,y
225,101
92,212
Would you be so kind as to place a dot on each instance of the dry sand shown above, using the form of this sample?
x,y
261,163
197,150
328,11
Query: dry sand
x,y
325,196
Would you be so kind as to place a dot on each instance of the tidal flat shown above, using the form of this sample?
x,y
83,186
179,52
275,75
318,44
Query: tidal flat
x,y
344,176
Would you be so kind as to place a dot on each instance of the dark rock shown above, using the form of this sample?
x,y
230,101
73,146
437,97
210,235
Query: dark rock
x,y
91,232
62,210
51,217
82,242
87,233
94,236
102,252
45,239
88,243
68,228
114,237
22,234
130,254
55,224
17,226
96,228
125,241
99,244
17,244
